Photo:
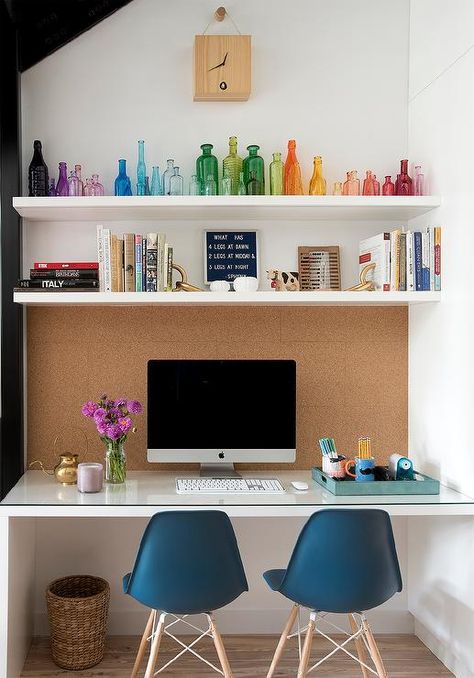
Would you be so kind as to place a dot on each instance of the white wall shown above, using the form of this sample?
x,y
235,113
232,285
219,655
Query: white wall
x,y
441,374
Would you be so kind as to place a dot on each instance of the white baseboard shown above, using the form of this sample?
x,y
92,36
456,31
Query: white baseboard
x,y
231,621
442,650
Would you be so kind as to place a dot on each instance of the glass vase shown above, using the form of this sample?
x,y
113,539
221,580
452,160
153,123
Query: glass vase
x,y
233,165
206,165
293,183
254,163
115,462
122,184
277,175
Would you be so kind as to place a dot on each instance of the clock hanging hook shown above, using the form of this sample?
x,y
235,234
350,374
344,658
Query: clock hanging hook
x,y
219,15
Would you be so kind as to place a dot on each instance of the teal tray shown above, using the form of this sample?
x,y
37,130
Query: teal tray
x,y
349,488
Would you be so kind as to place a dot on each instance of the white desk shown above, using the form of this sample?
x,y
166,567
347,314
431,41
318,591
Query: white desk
x,y
36,496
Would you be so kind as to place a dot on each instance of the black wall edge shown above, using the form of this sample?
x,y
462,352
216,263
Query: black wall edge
x,y
11,433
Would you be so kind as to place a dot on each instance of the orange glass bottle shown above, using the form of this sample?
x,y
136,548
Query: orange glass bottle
x,y
293,183
317,185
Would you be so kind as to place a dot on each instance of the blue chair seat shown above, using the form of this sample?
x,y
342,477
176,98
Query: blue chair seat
x,y
274,578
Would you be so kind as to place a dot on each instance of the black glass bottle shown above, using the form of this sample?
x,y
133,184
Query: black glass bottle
x,y
38,183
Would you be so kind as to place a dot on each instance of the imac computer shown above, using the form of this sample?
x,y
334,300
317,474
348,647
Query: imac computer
x,y
217,412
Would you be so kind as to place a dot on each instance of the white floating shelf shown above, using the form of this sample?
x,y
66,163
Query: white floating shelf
x,y
219,208
266,298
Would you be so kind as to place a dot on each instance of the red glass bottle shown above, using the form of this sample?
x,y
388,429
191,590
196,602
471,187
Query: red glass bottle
x,y
389,187
404,184
369,186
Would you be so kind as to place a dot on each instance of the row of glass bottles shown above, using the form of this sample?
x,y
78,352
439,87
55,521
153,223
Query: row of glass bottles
x,y
404,184
73,185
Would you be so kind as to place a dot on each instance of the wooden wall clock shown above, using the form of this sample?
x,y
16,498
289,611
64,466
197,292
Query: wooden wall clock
x,y
222,67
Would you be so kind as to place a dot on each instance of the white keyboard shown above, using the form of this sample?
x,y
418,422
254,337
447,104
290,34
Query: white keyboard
x,y
229,486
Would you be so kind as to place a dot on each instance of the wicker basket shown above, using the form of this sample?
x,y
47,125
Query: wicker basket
x,y
77,612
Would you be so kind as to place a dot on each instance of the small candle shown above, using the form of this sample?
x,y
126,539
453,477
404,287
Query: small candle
x,y
89,477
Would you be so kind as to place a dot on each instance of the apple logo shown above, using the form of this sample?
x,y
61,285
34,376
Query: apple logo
x,y
221,455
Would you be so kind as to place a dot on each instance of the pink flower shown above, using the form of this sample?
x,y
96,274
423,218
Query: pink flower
x,y
89,408
134,407
102,427
114,432
99,414
120,402
125,424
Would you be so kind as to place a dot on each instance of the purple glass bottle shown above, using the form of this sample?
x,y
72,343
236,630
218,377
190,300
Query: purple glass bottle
x,y
52,188
62,187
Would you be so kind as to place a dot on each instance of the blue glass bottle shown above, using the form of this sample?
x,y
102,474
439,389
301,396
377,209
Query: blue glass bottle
x,y
122,182
156,187
141,169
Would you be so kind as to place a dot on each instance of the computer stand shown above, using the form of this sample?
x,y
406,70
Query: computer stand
x,y
218,471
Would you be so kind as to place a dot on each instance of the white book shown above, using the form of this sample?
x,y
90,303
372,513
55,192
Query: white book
x,y
100,255
410,263
376,250
107,259
395,259
165,267
160,261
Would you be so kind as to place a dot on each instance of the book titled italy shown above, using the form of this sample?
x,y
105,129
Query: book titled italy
x,y
57,284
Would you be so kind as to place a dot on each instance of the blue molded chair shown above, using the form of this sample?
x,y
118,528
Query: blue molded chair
x,y
188,563
344,561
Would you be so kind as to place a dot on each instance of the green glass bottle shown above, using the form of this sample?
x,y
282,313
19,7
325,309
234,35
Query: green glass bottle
x,y
206,165
254,186
226,183
241,189
233,164
254,163
277,175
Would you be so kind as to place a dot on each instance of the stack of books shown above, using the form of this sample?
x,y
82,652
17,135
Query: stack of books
x,y
134,263
61,276
406,261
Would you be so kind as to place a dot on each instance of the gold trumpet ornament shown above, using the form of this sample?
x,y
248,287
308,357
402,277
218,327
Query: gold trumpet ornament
x,y
65,471
183,285
364,284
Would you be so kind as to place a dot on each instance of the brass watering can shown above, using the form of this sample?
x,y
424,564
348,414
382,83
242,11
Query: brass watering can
x,y
65,470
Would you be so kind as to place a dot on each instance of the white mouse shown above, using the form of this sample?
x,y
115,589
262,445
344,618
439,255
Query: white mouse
x,y
300,485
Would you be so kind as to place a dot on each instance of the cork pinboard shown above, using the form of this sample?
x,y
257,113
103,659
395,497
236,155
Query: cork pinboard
x,y
352,365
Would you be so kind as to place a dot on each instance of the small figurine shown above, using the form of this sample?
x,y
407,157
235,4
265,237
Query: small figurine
x,y
283,281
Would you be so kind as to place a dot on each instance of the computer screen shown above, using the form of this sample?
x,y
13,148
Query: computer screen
x,y
216,410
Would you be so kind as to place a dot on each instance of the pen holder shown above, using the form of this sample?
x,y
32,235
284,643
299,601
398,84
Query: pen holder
x,y
334,468
364,469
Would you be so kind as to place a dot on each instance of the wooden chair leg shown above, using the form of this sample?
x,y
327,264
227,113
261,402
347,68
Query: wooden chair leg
x,y
282,642
220,649
143,644
360,647
155,646
374,650
303,667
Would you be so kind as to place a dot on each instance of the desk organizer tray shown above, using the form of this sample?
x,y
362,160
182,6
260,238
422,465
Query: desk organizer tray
x,y
347,488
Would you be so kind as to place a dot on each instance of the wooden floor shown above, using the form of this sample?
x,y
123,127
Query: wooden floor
x,y
250,656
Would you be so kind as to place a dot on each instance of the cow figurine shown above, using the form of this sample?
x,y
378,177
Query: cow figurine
x,y
283,281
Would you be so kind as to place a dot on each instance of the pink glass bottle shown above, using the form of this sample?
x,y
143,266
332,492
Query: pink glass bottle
x,y
389,187
403,184
376,185
62,187
73,184
78,170
88,188
352,184
368,187
419,181
97,186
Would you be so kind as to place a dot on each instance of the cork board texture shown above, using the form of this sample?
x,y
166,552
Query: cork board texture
x,y
352,367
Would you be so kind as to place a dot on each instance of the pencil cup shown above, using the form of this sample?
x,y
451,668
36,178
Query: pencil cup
x,y
334,468
364,469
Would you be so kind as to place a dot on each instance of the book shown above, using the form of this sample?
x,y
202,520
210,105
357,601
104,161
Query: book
x,y
376,250
160,261
114,264
129,262
169,272
437,258
53,265
395,259
418,260
410,262
138,263
65,273
58,284
144,249
425,261
151,262
107,244
403,262
100,255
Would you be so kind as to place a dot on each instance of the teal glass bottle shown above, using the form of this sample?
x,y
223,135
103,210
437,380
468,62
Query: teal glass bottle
x,y
233,164
156,187
122,182
194,186
241,188
206,165
254,163
254,187
277,175
227,183
141,169
176,183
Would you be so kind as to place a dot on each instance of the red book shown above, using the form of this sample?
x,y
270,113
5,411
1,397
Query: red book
x,y
65,264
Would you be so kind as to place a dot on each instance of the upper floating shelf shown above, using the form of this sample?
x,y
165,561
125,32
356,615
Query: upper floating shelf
x,y
219,208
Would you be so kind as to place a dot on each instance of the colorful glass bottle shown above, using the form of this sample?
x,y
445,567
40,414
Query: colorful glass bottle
x,y
147,186
78,171
403,184
388,187
194,186
277,175
233,164
293,183
156,186
254,186
206,165
419,181
241,189
227,183
123,185
52,188
368,187
317,185
88,188
141,168
62,187
37,173
210,185
97,186
376,185
254,163
176,183
337,188
167,174
352,184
